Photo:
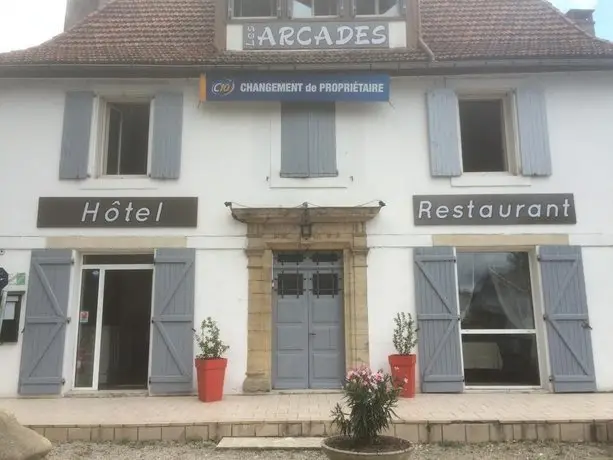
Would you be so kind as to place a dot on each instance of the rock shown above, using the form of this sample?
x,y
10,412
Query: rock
x,y
20,443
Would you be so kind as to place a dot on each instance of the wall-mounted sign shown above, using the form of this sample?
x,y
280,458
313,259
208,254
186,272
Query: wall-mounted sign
x,y
67,212
292,87
315,35
527,209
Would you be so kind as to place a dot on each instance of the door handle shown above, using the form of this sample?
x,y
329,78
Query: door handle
x,y
312,333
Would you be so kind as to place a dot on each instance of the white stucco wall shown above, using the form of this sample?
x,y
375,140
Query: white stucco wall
x,y
231,151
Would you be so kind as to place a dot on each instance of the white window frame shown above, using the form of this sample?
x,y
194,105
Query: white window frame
x,y
377,8
99,312
103,111
289,6
537,311
232,5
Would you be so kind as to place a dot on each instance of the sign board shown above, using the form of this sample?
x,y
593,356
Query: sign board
x,y
67,212
526,209
315,35
297,88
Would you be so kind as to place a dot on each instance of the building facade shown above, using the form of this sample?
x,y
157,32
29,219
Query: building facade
x,y
301,172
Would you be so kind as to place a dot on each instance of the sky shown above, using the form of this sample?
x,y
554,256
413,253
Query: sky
x,y
28,23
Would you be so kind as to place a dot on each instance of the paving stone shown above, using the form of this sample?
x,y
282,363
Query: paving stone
x,y
125,433
434,433
79,434
478,432
525,432
173,433
56,434
150,433
243,430
103,434
197,433
548,431
290,443
41,429
319,429
290,429
408,431
501,432
455,432
267,429
572,432
598,432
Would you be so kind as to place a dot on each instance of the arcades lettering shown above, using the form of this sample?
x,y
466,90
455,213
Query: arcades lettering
x,y
70,212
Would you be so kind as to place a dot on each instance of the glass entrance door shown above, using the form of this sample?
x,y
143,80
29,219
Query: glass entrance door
x,y
89,315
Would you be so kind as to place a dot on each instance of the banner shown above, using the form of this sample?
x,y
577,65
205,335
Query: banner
x,y
296,87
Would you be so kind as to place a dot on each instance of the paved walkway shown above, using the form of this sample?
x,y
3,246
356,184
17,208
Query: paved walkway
x,y
506,408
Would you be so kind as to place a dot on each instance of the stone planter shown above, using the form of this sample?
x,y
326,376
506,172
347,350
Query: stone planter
x,y
334,453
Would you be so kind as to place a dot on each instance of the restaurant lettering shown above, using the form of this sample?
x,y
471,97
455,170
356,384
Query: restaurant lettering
x,y
117,212
526,209
316,35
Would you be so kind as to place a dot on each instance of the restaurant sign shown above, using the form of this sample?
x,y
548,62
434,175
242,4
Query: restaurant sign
x,y
520,209
296,88
69,212
315,35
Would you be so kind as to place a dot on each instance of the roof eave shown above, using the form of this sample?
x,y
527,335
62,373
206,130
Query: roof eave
x,y
409,68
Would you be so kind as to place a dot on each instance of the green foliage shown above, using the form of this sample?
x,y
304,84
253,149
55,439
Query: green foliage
x,y
405,333
209,341
371,399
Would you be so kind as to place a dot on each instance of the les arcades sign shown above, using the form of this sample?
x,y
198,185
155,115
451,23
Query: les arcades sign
x,y
124,212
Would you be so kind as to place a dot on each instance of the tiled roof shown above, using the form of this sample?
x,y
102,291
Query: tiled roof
x,y
181,32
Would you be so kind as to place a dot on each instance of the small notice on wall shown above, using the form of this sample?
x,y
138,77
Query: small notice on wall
x,y
84,317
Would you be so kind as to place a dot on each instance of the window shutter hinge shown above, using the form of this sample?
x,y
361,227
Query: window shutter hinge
x,y
68,319
546,317
551,379
63,381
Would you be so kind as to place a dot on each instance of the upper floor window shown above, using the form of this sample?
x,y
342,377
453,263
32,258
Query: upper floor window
x,y
255,8
313,8
377,7
126,141
486,132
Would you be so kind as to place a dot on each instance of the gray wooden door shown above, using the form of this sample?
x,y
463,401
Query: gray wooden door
x,y
308,337
42,352
172,342
438,318
566,316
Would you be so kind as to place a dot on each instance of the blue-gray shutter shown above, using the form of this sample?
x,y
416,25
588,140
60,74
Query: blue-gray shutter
x,y
567,319
308,140
172,345
167,136
76,133
444,133
438,319
42,351
533,132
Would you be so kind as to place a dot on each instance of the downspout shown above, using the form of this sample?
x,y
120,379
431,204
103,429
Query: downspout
x,y
426,48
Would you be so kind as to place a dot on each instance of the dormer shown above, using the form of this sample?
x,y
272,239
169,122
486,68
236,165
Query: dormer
x,y
294,25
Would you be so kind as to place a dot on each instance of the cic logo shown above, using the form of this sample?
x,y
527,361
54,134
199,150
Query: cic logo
x,y
223,87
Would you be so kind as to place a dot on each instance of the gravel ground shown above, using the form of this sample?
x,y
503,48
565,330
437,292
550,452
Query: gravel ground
x,y
167,451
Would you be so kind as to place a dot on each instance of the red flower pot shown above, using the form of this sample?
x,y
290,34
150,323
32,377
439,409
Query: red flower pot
x,y
211,374
403,368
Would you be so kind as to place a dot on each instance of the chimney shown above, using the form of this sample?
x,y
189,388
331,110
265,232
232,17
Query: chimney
x,y
584,19
77,10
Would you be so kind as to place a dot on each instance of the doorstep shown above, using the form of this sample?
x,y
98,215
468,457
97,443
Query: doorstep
x,y
426,418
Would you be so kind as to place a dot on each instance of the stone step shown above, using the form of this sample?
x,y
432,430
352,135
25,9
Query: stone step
x,y
265,443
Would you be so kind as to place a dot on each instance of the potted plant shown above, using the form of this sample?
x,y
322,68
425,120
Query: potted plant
x,y
210,366
371,398
402,364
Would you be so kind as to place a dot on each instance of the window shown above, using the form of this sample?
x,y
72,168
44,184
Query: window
x,y
499,340
377,8
255,8
484,127
313,8
126,146
308,140
10,312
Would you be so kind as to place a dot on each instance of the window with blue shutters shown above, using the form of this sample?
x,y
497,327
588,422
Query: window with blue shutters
x,y
308,140
498,132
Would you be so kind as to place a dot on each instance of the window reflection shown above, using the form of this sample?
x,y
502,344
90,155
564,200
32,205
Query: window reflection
x,y
311,8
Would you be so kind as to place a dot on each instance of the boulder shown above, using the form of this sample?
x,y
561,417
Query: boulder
x,y
20,443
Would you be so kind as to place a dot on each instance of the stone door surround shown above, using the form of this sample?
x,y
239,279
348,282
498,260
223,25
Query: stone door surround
x,y
303,229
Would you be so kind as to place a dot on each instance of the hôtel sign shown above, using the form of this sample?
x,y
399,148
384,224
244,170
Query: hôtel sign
x,y
70,212
315,35
519,209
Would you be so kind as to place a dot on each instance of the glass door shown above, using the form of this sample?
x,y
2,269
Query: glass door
x,y
89,332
